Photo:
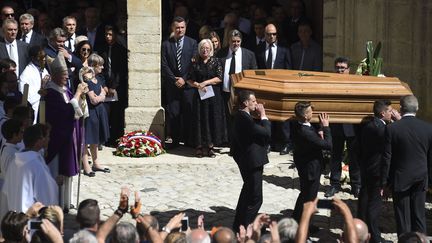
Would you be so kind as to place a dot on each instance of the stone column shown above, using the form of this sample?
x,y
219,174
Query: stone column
x,y
144,41
403,27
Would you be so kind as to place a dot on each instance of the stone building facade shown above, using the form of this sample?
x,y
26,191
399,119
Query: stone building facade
x,y
403,27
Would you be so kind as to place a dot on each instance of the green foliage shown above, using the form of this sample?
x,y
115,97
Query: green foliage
x,y
373,62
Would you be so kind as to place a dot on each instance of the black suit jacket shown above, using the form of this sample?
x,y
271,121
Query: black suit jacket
x,y
248,58
372,148
23,56
169,68
36,39
308,146
407,152
282,61
99,39
250,141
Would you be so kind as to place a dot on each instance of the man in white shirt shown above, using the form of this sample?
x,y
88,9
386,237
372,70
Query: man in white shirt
x,y
28,35
12,48
28,179
36,76
69,26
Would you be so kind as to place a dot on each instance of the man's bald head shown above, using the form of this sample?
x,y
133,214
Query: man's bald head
x,y
362,230
198,236
270,33
224,235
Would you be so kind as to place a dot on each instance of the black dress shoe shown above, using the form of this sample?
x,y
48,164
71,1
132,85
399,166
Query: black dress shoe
x,y
268,148
385,241
330,192
286,149
89,174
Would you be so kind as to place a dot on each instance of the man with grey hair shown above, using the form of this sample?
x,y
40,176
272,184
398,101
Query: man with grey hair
x,y
28,35
287,228
69,26
198,236
408,150
234,59
83,236
56,44
12,48
125,232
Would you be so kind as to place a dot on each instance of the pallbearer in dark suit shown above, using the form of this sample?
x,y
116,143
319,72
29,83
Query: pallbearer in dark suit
x,y
248,148
371,150
308,146
177,96
408,150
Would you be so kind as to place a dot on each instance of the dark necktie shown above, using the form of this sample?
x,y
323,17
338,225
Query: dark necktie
x,y
70,43
269,57
24,37
233,64
109,61
178,56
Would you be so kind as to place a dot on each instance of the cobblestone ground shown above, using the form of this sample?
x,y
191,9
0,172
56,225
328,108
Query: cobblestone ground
x,y
177,181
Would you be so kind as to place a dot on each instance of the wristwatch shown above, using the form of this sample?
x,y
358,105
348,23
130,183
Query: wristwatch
x,y
166,229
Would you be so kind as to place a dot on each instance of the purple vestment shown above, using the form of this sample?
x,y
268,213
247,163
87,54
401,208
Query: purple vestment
x,y
66,132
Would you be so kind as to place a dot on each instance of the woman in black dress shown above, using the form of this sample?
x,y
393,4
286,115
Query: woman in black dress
x,y
208,121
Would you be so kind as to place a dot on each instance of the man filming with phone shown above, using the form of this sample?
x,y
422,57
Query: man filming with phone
x,y
308,146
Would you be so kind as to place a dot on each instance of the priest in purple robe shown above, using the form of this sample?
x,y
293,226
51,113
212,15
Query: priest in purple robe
x,y
64,112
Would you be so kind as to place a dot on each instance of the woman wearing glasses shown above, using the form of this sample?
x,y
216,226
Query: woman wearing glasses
x,y
83,51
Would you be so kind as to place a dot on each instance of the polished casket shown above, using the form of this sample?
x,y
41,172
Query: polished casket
x,y
346,98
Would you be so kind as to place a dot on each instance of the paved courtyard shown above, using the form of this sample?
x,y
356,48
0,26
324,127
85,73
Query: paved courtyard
x,y
177,181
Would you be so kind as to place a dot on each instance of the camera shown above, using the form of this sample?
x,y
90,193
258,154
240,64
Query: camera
x,y
185,223
325,203
34,224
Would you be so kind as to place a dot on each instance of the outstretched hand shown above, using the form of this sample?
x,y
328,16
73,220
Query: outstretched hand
x,y
324,119
135,209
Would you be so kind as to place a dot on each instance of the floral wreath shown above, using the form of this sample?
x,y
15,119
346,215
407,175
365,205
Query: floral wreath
x,y
139,144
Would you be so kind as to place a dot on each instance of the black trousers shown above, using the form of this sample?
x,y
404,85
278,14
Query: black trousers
x,y
370,205
308,192
250,199
337,157
409,207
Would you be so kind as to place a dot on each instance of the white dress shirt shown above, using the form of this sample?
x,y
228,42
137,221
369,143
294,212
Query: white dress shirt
x,y
226,86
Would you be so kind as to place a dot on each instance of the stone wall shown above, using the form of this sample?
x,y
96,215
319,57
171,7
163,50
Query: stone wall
x,y
144,35
403,27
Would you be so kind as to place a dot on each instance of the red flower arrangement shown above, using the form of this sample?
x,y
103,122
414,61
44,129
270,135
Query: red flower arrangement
x,y
139,144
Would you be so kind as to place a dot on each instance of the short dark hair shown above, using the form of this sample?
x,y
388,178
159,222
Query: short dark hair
x,y
6,63
112,28
12,226
260,22
178,19
10,128
243,96
33,133
9,104
380,106
300,108
409,237
342,60
21,113
34,51
153,223
88,213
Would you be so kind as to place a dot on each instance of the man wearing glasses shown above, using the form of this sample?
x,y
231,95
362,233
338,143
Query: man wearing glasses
x,y
270,55
342,133
7,12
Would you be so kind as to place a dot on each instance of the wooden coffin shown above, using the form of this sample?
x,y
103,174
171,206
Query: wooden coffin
x,y
346,98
